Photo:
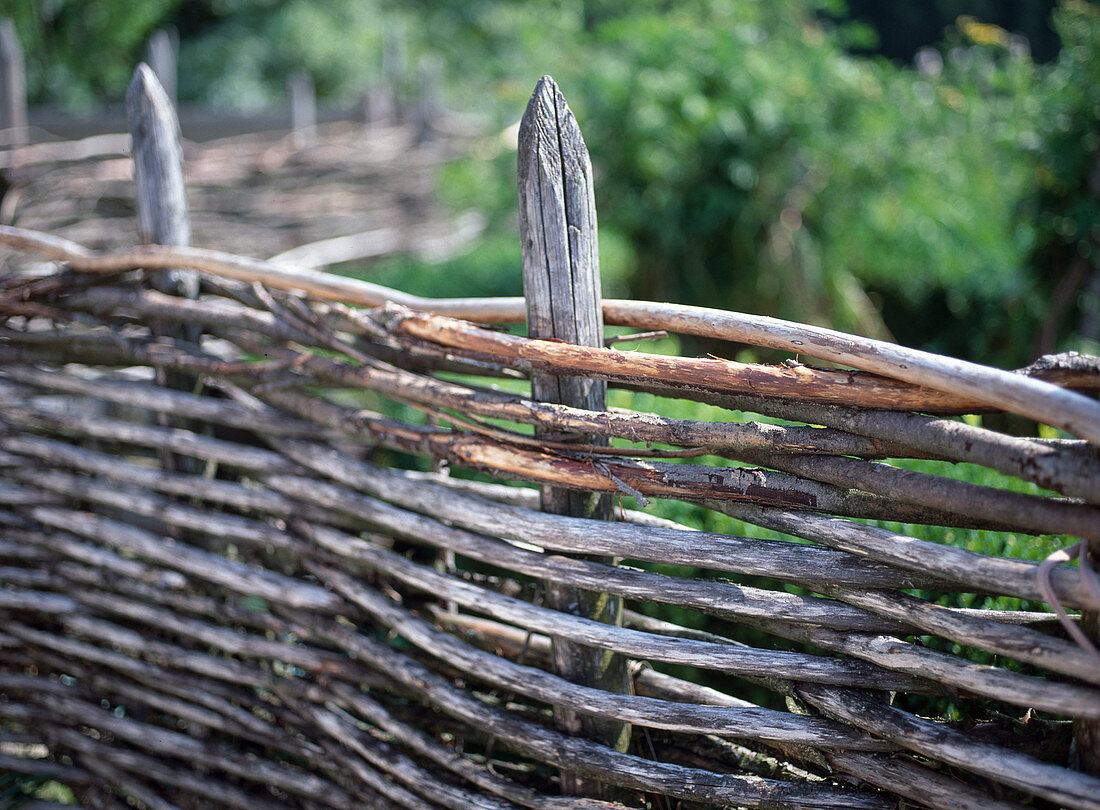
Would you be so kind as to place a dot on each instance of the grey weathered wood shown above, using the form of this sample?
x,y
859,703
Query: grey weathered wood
x,y
244,579
429,104
992,388
980,572
160,55
303,102
13,85
547,745
161,197
1050,781
161,201
561,280
726,721
395,67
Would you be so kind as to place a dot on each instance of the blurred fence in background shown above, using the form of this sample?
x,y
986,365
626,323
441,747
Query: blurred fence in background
x,y
222,586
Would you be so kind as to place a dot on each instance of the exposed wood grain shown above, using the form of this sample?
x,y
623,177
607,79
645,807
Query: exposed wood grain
x,y
724,721
561,282
158,176
797,382
1071,472
571,753
1030,775
161,198
981,572
992,388
611,474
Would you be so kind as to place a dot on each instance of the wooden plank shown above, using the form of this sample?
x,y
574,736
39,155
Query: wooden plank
x,y
561,278
13,86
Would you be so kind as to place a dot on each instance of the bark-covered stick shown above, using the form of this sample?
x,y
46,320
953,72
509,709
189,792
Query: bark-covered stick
x,y
993,388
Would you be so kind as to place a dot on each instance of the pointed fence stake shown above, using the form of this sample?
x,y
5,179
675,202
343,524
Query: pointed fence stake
x,y
561,277
161,201
13,85
161,197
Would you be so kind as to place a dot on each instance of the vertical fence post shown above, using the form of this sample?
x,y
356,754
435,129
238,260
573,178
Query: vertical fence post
x,y
429,104
162,207
13,85
561,278
394,67
158,176
303,103
160,55
379,107
1086,732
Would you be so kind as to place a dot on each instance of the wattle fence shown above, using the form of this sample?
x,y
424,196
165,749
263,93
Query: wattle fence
x,y
258,551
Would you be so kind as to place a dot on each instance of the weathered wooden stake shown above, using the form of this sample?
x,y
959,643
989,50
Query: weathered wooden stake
x,y
161,201
429,104
394,69
161,197
561,277
303,102
379,107
160,55
13,85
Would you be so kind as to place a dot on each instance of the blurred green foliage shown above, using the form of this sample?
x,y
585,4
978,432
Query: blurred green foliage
x,y
754,164
747,160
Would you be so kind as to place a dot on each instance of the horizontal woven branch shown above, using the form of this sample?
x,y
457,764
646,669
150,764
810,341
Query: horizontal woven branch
x,y
377,636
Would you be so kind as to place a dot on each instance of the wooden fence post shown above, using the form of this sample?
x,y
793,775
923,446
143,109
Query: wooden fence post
x,y
429,104
158,176
160,55
395,58
303,103
13,85
561,277
161,201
